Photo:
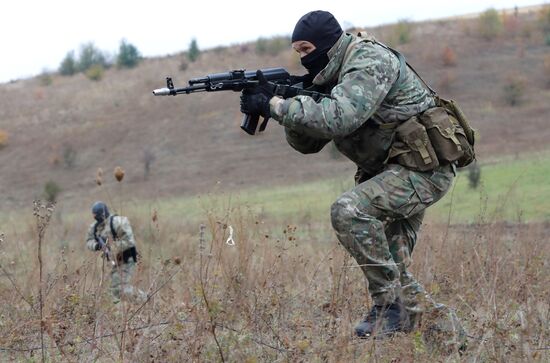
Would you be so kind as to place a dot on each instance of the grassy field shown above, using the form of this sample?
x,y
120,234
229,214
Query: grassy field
x,y
286,291
515,190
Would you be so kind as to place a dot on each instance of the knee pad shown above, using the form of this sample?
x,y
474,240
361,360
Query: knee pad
x,y
342,211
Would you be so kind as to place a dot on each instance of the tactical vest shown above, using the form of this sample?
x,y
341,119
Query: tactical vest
x,y
113,232
124,256
438,136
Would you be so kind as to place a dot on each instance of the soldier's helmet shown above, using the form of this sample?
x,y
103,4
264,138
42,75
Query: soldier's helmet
x,y
100,211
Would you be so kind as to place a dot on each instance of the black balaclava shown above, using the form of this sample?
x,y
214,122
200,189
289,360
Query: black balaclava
x,y
322,30
100,211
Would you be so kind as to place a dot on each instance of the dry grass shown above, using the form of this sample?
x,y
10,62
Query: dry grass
x,y
279,294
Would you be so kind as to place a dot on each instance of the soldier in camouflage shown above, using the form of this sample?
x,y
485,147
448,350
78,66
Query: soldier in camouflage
x,y
115,231
371,92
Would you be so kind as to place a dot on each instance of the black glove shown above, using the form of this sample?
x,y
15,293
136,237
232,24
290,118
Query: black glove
x,y
255,101
97,246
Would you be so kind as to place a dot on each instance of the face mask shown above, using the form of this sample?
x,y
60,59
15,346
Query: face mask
x,y
315,62
100,211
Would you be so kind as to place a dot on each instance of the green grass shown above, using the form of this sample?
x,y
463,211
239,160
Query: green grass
x,y
513,190
517,190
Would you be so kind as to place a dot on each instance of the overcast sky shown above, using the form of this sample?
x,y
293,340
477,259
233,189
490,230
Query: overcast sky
x,y
35,35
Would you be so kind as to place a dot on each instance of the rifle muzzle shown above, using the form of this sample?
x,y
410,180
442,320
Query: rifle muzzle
x,y
162,92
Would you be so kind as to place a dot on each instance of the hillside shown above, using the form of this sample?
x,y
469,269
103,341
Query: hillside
x,y
65,131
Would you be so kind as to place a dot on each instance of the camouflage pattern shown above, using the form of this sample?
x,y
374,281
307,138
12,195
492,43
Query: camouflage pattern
x,y
121,284
125,235
121,274
360,92
378,221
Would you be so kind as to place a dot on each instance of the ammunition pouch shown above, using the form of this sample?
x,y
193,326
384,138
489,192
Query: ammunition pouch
x,y
412,147
464,133
438,136
446,135
126,255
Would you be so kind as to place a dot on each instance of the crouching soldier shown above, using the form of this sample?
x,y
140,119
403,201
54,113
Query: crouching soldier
x,y
113,235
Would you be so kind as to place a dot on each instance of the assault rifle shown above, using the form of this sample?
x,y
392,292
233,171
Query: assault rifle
x,y
238,80
106,250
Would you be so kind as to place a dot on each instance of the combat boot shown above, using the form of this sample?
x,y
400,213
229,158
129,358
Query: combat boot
x,y
382,321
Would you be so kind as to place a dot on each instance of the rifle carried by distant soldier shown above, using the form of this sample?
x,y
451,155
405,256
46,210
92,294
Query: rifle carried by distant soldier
x,y
104,247
278,80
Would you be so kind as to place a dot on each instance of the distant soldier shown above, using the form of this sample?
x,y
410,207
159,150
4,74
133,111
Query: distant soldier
x,y
113,235
375,111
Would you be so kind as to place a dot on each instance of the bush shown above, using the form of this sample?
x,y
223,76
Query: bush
x,y
402,32
3,139
446,81
69,156
51,191
148,160
95,72
449,57
128,55
544,20
45,79
489,24
474,175
183,65
514,90
68,65
91,56
193,52
272,46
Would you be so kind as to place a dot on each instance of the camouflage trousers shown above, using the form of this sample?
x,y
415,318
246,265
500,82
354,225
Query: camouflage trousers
x,y
121,283
378,223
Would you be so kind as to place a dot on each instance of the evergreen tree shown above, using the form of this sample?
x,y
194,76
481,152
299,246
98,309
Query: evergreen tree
x,y
128,55
194,51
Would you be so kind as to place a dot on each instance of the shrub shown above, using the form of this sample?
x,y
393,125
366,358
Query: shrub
x,y
68,65
51,191
449,57
489,24
3,139
474,175
271,46
95,72
128,55
45,79
183,65
69,156
511,24
148,160
193,52
402,32
544,20
90,56
514,90
446,81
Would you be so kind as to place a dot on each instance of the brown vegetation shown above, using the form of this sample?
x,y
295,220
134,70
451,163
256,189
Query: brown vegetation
x,y
278,294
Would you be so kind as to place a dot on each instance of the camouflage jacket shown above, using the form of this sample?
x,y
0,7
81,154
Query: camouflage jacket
x,y
121,225
361,113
